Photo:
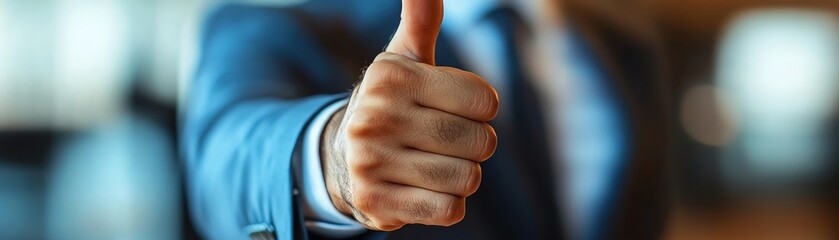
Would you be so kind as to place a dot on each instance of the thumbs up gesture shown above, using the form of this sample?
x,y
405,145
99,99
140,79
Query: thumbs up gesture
x,y
408,147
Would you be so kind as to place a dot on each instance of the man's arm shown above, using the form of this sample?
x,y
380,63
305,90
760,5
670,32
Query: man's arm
x,y
405,151
246,114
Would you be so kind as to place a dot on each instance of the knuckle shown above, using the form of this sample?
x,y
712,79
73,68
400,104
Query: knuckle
x,y
365,125
365,200
361,129
362,163
382,67
388,226
387,75
381,88
359,168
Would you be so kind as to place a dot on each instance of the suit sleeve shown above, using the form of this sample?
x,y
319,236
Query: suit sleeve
x,y
246,112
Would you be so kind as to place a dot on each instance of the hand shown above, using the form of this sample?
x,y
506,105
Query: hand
x,y
408,148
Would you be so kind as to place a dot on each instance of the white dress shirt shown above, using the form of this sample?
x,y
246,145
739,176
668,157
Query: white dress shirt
x,y
580,112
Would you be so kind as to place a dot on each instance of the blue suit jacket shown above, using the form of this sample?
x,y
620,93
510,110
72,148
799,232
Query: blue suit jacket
x,y
264,73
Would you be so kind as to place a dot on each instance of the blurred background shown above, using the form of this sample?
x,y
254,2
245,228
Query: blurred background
x,y
90,89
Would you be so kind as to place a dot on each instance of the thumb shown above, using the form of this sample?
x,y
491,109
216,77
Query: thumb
x,y
416,36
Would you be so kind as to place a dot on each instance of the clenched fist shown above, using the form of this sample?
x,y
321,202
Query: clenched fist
x,y
408,147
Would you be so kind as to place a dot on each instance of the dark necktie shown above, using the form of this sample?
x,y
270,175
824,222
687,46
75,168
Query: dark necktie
x,y
525,111
524,129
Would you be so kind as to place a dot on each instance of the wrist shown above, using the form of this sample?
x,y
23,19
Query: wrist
x,y
332,162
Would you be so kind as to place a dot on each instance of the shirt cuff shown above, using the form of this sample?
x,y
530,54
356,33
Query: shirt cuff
x,y
320,214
